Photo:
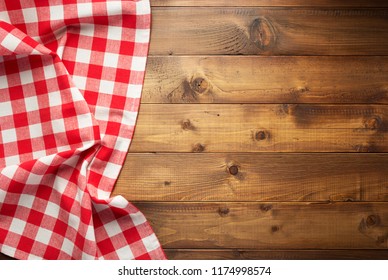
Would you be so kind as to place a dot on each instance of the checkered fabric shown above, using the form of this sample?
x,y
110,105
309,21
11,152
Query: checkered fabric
x,y
71,75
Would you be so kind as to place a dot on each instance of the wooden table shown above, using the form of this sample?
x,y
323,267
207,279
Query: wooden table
x,y
263,130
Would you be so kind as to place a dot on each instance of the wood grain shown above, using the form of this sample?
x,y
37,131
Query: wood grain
x,y
253,79
261,128
253,3
269,226
269,31
208,254
258,177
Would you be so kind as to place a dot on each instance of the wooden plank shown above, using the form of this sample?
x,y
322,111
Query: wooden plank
x,y
261,128
4,257
269,31
254,177
253,79
208,254
269,226
269,3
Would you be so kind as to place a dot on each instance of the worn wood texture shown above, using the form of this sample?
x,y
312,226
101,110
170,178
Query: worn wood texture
x,y
267,226
269,31
254,177
244,104
254,79
269,3
209,254
261,128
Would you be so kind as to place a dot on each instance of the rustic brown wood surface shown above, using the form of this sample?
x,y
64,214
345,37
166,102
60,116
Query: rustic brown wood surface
x,y
254,177
270,225
262,132
225,254
253,3
258,79
269,31
261,128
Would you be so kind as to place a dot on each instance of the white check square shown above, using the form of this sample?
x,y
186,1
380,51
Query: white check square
x,y
138,63
142,35
106,87
112,170
56,12
84,9
49,71
9,135
26,200
26,77
4,16
114,8
35,130
52,210
114,33
30,15
67,246
111,60
83,55
12,160
10,42
79,81
5,109
31,103
113,228
134,91
142,8
84,121
43,236
151,242
3,82
125,253
55,98
17,226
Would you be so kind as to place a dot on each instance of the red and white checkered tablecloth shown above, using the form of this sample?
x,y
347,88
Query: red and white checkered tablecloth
x,y
71,75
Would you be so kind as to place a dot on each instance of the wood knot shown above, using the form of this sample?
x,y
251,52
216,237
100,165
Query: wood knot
x,y
233,170
187,125
198,148
262,33
287,109
199,85
299,90
381,239
275,228
223,211
265,208
372,220
167,183
260,135
373,123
